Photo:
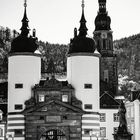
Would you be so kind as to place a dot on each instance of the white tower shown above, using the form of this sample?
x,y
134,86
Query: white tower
x,y
24,69
83,75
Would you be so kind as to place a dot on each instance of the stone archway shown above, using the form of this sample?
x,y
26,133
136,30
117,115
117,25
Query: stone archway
x,y
53,134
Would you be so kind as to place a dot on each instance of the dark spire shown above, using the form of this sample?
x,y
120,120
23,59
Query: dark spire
x,y
25,28
81,43
83,29
24,43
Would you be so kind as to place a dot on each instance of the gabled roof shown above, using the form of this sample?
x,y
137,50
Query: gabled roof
x,y
108,102
53,106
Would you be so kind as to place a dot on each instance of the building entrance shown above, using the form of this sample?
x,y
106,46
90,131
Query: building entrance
x,y
53,134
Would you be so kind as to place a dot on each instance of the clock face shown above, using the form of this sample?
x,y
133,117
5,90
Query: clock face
x,y
103,35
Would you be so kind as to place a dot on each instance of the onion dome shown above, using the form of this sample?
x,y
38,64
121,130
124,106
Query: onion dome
x,y
80,43
102,20
23,43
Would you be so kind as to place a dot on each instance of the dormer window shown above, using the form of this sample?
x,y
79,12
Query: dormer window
x,y
41,98
64,98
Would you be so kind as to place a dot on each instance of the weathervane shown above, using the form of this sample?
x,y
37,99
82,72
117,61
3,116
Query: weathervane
x,y
25,3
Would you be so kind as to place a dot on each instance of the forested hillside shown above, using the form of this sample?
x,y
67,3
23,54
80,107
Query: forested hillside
x,y
128,54
127,50
53,56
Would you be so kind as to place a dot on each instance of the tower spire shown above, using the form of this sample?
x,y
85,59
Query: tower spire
x,y
83,29
25,28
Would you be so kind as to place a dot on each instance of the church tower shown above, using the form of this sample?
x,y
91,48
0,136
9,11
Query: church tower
x,y
83,74
24,69
103,33
104,41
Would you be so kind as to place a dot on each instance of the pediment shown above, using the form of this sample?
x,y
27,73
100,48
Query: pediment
x,y
53,106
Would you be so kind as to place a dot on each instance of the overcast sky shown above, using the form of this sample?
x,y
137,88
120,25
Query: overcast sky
x,y
55,20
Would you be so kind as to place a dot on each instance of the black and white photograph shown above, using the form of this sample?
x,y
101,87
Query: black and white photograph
x,y
69,70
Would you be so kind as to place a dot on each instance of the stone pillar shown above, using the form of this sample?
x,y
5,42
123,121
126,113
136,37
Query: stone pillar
x,y
122,132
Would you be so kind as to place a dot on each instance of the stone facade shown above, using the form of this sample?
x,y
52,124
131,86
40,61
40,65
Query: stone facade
x,y
108,64
104,41
53,112
108,75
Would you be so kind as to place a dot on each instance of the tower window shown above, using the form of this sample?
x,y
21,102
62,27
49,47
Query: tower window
x,y
102,117
88,106
19,85
87,86
18,107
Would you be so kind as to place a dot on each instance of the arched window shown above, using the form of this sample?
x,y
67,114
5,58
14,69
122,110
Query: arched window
x,y
104,44
110,44
106,76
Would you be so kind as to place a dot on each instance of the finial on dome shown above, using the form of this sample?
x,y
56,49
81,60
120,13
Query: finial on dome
x,y
25,28
83,4
25,3
83,29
